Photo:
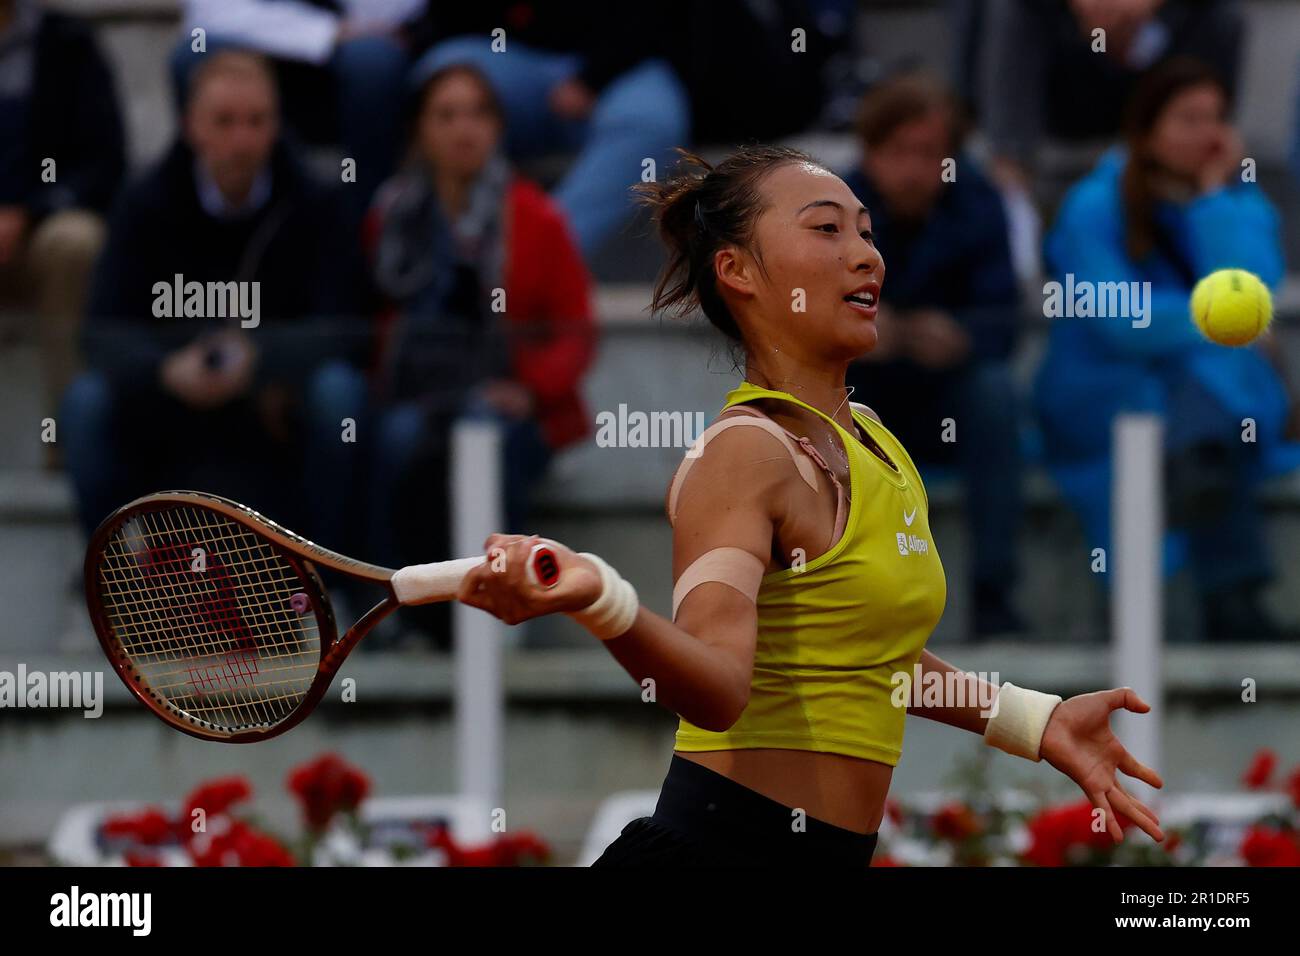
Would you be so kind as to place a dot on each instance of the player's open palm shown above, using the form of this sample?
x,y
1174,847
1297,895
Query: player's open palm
x,y
1078,742
504,588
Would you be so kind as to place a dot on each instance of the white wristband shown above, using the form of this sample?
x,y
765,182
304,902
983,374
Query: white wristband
x,y
614,611
1019,720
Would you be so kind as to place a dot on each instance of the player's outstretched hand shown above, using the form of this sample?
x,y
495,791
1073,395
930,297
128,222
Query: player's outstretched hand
x,y
502,587
1078,742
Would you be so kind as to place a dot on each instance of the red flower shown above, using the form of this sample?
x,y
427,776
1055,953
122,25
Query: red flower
x,y
486,855
885,860
520,849
895,811
1260,771
149,827
1056,830
259,849
141,859
955,821
240,845
1263,846
439,838
1293,787
1172,842
512,850
215,849
214,798
326,786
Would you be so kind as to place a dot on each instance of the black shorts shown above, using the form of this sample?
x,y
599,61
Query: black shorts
x,y
705,819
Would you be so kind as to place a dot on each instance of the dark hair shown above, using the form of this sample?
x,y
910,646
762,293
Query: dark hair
x,y
1152,95
245,64
700,209
904,98
430,83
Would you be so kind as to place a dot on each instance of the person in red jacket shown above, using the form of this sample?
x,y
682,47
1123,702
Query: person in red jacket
x,y
489,313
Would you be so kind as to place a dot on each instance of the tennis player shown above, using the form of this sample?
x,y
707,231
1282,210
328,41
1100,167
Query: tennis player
x,y
806,578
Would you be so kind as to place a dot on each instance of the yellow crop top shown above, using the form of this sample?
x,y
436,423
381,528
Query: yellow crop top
x,y
832,635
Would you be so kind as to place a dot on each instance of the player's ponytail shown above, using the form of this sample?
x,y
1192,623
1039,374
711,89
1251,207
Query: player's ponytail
x,y
700,209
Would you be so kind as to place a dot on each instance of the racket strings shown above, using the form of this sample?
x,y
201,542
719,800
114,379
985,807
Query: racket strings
x,y
215,622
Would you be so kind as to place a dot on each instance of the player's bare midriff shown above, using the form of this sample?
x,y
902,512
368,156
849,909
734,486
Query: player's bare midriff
x,y
844,791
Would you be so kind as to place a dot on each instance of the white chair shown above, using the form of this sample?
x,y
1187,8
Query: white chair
x,y
612,816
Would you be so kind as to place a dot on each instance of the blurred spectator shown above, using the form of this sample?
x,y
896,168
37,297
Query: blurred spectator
x,y
1167,208
947,321
585,77
725,45
491,317
341,66
1041,77
193,399
966,20
61,160
1295,138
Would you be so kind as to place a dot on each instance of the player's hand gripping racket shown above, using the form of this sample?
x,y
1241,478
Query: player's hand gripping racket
x,y
216,618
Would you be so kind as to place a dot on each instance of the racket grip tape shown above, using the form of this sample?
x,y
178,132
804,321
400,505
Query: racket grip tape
x,y
440,580
427,583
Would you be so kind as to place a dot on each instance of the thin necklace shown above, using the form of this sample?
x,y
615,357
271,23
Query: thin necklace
x,y
848,390
842,453
866,436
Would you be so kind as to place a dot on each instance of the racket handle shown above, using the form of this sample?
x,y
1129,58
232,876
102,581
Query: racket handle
x,y
427,583
439,581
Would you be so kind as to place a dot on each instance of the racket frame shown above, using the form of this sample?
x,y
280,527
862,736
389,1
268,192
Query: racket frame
x,y
303,555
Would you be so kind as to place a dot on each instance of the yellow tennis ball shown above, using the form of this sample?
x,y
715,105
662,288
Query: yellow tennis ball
x,y
1231,306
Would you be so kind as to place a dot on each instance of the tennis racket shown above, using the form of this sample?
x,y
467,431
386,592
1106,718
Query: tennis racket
x,y
217,620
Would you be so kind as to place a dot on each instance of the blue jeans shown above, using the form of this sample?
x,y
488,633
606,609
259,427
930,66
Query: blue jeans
x,y
122,441
337,417
90,449
408,445
639,116
397,469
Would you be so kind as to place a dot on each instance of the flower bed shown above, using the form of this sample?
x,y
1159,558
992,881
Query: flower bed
x,y
975,826
342,825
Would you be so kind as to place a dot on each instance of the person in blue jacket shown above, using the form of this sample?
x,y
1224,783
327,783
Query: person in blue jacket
x,y
1172,204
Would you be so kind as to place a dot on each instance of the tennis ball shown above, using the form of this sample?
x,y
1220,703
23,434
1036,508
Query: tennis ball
x,y
1231,306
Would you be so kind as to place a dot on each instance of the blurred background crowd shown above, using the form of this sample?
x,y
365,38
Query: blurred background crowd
x,y
424,191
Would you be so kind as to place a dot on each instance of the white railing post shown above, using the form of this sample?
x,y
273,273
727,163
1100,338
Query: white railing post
x,y
479,638
1137,575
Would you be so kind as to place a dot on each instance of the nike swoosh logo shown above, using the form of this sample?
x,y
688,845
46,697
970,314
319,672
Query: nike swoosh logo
x,y
907,518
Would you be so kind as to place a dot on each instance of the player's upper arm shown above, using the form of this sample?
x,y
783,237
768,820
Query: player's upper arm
x,y
729,499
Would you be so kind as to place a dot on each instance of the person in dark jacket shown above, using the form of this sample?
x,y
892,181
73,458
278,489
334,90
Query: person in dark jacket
x,y
340,65
62,158
225,282
940,375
